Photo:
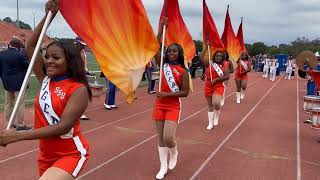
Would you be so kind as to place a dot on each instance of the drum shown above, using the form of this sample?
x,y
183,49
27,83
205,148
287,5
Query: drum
x,y
315,117
95,87
311,102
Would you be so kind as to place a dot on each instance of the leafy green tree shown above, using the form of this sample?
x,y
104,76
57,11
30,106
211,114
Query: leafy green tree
x,y
198,45
8,20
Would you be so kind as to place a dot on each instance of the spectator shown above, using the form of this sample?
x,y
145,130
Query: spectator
x,y
13,68
195,64
109,103
150,67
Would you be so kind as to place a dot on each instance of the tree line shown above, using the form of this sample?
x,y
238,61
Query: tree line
x,y
22,25
292,49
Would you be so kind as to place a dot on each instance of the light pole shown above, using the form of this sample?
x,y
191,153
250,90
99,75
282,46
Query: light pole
x,y
34,19
18,26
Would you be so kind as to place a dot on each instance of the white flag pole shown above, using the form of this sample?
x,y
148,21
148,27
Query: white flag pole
x,y
210,62
29,71
162,52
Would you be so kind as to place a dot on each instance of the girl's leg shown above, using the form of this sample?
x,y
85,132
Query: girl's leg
x,y
163,150
56,174
169,137
216,105
210,112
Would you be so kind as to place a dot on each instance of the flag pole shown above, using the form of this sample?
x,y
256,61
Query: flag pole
x,y
29,71
162,52
210,62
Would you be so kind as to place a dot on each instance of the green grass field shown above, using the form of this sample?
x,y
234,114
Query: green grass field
x,y
34,85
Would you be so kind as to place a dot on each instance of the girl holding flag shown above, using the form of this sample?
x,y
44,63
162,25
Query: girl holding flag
x,y
216,73
167,107
227,64
241,75
63,98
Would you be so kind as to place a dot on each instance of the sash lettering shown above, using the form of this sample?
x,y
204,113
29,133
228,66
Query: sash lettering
x,y
245,66
47,109
170,79
217,68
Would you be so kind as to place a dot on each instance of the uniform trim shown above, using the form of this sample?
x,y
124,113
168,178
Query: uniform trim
x,y
82,152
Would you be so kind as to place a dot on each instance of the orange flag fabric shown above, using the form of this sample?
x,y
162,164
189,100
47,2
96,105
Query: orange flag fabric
x,y
177,31
231,43
119,34
210,31
240,38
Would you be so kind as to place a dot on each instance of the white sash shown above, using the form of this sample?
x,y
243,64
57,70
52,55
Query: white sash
x,y
245,66
170,79
46,107
217,69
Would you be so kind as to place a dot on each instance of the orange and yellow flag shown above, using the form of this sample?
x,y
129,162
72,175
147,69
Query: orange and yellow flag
x,y
210,31
231,43
177,31
240,37
119,34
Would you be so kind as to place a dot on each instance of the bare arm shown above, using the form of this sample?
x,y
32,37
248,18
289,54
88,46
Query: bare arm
x,y
184,90
32,41
203,53
225,77
74,108
159,36
231,67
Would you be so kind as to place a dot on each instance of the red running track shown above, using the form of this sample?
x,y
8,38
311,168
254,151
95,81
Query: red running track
x,y
262,138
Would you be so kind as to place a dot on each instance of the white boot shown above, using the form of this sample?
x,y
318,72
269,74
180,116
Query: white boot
x,y
210,119
216,117
173,152
242,94
238,97
163,155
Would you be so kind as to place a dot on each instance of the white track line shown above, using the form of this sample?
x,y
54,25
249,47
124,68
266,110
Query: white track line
x,y
298,135
94,129
28,152
133,147
231,133
150,138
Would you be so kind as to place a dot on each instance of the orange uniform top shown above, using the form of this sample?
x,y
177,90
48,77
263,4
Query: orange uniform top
x,y
214,76
240,67
171,102
61,89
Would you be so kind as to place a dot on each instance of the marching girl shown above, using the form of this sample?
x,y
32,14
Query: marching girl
x,y
241,75
229,65
167,106
63,98
290,65
215,75
266,66
273,68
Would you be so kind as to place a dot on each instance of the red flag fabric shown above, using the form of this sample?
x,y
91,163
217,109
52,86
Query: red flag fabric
x,y
177,31
119,34
210,31
231,43
240,38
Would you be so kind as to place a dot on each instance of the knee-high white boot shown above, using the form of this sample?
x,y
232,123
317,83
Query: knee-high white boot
x,y
210,119
238,97
173,152
163,155
216,117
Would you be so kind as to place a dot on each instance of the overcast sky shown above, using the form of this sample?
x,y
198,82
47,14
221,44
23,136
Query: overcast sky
x,y
268,21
